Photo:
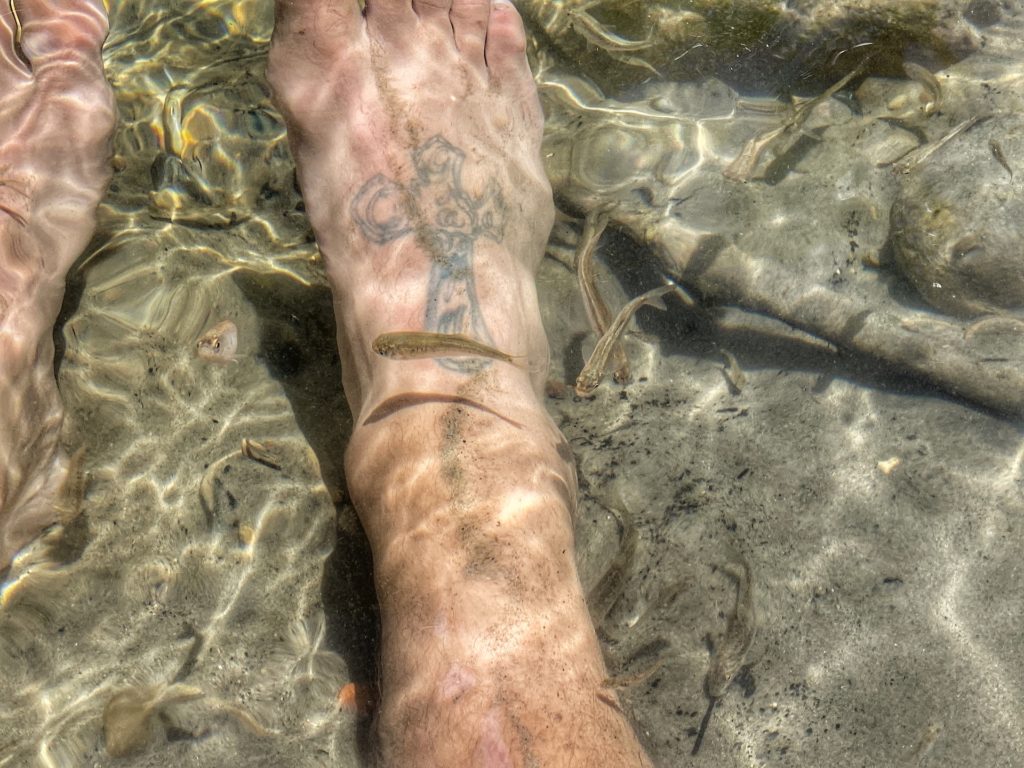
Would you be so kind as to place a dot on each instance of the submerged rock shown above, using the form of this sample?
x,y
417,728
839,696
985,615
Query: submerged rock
x,y
958,221
761,44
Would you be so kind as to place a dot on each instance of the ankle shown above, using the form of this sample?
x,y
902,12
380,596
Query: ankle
x,y
433,468
402,288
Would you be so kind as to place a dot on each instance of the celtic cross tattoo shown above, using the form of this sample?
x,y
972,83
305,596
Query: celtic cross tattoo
x,y
448,221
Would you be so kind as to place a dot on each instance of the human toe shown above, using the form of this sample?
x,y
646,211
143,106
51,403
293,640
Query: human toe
x,y
394,19
305,29
312,40
57,31
434,12
506,42
469,19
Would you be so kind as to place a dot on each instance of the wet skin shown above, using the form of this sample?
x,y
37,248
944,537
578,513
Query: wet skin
x,y
56,119
416,132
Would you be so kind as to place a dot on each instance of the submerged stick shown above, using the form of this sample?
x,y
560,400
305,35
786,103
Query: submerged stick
x,y
937,355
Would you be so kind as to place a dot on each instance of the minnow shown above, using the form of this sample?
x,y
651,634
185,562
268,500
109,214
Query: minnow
x,y
731,648
129,714
603,596
72,493
919,74
18,50
997,153
597,311
734,376
412,345
593,371
924,746
259,453
918,155
742,168
628,681
597,33
398,402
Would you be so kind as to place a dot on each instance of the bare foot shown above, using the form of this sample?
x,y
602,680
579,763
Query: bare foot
x,y
416,129
56,119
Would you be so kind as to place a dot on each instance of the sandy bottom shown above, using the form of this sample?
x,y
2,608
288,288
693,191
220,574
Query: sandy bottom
x,y
878,519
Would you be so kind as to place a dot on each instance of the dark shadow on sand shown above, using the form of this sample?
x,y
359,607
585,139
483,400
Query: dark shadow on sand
x,y
299,347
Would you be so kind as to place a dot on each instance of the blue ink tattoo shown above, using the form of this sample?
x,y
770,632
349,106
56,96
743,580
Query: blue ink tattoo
x,y
447,221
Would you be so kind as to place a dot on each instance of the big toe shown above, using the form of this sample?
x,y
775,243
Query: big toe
x,y
505,49
312,37
54,31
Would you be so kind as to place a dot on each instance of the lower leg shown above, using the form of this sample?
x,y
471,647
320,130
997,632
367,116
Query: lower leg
x,y
489,657
56,118
416,131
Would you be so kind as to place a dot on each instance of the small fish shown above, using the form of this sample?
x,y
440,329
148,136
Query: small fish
x,y
593,371
742,168
730,650
18,50
72,493
597,311
628,681
918,155
219,344
129,715
997,153
597,33
412,345
734,376
928,738
398,402
259,453
603,596
923,76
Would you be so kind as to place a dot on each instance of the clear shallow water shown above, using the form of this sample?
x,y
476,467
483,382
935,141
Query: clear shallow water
x,y
888,592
